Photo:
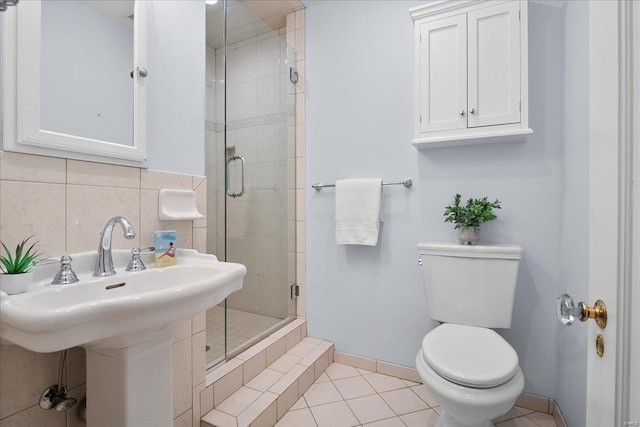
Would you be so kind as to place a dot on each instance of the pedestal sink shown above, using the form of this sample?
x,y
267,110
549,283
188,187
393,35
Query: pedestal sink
x,y
124,323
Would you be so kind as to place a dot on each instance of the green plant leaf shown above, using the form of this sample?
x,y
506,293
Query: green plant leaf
x,y
472,214
22,261
8,257
5,267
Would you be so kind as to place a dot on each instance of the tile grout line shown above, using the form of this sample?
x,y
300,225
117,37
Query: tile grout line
x,y
333,403
251,403
533,421
396,415
429,407
309,408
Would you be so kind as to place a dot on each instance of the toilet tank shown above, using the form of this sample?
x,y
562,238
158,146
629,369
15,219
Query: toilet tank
x,y
470,285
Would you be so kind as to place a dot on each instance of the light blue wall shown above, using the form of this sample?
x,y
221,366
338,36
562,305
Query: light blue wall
x,y
176,86
360,94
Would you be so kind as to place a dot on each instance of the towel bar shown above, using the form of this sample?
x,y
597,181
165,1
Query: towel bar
x,y
407,183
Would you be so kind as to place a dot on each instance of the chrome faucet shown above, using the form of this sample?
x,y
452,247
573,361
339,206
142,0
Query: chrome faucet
x,y
104,263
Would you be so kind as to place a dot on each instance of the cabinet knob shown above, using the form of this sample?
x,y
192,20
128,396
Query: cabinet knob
x,y
472,111
461,112
142,72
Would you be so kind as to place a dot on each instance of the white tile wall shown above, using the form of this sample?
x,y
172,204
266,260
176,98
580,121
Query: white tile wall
x,y
65,204
89,208
29,207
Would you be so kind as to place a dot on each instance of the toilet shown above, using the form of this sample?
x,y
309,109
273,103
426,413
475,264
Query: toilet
x,y
469,369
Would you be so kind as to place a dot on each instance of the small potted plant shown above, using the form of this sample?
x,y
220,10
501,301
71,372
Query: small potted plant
x,y
15,276
469,217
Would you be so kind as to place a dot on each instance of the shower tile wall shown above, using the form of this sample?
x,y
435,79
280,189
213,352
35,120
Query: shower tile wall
x,y
258,115
65,203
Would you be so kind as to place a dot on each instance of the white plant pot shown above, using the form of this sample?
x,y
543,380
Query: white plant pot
x,y
15,283
468,235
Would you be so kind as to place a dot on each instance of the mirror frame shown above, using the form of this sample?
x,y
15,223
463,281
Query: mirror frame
x,y
21,72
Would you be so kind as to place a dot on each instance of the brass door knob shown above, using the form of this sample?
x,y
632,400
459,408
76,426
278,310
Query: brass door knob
x,y
568,310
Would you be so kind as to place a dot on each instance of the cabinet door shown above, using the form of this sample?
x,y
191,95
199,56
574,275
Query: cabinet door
x,y
494,65
443,74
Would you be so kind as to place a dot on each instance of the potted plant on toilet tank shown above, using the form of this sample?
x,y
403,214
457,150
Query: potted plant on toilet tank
x,y
468,218
15,276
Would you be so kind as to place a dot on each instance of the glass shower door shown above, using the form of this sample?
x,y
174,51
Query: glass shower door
x,y
250,160
260,177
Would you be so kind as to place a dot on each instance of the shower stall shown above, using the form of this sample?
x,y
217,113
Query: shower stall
x,y
250,169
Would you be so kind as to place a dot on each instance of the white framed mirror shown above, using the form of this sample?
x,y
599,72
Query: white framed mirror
x,y
74,78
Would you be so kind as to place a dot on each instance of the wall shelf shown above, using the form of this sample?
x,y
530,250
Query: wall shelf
x,y
486,136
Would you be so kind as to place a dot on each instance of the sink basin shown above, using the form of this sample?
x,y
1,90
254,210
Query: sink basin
x,y
49,318
124,323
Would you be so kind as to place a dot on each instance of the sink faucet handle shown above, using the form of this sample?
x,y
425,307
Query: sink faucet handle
x,y
136,263
65,274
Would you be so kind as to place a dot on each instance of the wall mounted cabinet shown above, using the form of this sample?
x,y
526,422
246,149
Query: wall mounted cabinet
x,y
471,72
59,100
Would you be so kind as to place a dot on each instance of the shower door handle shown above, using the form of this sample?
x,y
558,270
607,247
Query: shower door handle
x,y
235,159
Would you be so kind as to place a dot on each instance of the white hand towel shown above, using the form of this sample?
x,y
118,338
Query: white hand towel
x,y
358,211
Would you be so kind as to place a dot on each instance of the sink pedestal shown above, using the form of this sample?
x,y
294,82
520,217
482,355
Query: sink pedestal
x,y
131,386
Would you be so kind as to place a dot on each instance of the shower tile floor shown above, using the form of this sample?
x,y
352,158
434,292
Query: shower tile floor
x,y
345,396
242,326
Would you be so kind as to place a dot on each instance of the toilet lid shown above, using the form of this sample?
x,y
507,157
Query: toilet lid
x,y
470,356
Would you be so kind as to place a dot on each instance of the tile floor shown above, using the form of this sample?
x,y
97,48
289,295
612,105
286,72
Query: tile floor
x,y
345,396
268,395
241,327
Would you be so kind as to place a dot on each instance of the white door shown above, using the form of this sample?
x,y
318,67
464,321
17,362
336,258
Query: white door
x,y
494,65
443,68
633,413
612,392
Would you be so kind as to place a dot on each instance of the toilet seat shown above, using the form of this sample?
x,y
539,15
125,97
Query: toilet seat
x,y
470,356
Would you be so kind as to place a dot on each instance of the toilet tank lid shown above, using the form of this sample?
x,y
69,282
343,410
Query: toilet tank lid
x,y
471,251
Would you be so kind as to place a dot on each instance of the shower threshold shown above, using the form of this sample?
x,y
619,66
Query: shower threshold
x,y
244,329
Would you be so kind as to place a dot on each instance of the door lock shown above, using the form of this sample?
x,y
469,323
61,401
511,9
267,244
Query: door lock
x,y
600,345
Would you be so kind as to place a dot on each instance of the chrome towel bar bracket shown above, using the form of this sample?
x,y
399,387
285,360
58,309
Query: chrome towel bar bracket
x,y
407,183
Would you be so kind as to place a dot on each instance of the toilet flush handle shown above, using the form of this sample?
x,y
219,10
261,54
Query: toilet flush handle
x,y
420,261
568,310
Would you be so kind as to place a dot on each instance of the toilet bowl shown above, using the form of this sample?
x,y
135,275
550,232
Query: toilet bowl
x,y
472,372
469,369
